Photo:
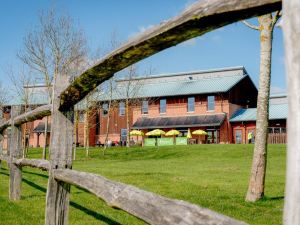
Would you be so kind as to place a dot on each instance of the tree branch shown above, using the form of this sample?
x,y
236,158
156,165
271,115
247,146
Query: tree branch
x,y
250,25
276,17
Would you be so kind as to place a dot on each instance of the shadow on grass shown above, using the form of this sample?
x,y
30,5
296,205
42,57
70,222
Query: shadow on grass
x,y
37,174
4,173
34,185
73,204
94,214
274,198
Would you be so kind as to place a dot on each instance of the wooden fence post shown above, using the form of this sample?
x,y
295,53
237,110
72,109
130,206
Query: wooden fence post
x,y
291,28
1,146
57,202
15,148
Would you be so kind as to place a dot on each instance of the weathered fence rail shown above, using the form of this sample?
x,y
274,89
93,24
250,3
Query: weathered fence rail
x,y
150,207
35,163
35,114
200,18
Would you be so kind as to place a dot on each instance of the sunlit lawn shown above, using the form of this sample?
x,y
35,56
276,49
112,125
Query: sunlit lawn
x,y
213,176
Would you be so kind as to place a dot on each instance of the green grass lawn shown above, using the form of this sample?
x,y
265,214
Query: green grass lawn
x,y
212,176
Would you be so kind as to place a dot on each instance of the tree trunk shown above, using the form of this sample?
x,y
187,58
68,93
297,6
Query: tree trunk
x,y
291,28
107,126
46,138
86,133
127,124
259,163
75,134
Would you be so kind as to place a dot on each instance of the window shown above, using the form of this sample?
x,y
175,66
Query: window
x,y
121,108
145,107
210,103
191,104
81,117
162,105
104,109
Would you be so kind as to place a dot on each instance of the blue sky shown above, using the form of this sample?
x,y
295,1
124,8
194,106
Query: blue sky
x,y
233,45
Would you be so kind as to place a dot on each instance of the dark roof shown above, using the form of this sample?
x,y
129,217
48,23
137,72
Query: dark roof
x,y
183,121
40,128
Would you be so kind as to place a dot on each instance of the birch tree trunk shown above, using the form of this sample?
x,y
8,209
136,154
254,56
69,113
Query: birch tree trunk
x,y
259,163
291,28
75,133
127,124
86,132
46,138
107,126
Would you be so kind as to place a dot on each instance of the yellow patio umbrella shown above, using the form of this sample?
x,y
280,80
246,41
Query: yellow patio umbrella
x,y
136,133
173,133
156,132
189,135
199,132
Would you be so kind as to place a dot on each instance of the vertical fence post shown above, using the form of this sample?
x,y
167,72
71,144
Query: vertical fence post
x,y
57,199
15,147
1,146
291,28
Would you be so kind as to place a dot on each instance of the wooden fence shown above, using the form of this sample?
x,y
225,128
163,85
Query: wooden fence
x,y
279,138
200,18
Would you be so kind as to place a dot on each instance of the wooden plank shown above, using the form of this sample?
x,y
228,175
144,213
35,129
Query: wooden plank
x,y
291,31
197,20
35,163
57,200
15,172
35,114
150,207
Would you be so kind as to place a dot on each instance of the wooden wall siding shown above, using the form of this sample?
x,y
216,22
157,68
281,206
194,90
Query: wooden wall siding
x,y
246,89
202,17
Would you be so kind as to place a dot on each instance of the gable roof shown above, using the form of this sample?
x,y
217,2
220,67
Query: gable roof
x,y
276,111
211,81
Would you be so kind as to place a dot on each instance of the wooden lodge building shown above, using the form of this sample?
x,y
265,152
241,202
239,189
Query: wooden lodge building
x,y
221,101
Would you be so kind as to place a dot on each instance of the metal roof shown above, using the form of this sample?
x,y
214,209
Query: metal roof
x,y
219,71
276,111
182,121
189,87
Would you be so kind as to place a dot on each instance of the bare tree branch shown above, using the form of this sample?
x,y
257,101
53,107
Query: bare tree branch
x,y
250,25
276,17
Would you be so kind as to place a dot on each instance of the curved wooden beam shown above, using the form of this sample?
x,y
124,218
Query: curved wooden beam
x,y
150,207
197,20
35,163
35,114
